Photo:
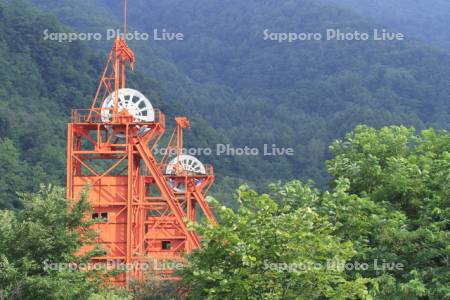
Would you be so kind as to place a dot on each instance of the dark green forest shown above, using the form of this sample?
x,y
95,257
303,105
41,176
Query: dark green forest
x,y
301,95
421,19
351,192
40,83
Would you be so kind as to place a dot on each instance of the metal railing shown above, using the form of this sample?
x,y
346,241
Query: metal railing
x,y
100,115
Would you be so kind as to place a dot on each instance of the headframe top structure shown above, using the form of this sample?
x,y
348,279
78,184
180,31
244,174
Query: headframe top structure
x,y
114,75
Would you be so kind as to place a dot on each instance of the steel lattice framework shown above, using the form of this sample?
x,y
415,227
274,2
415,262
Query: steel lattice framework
x,y
141,211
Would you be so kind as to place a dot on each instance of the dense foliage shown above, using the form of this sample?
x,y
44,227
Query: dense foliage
x,y
406,176
47,231
389,209
270,251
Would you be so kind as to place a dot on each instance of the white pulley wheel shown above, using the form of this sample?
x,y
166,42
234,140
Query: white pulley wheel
x,y
136,104
187,163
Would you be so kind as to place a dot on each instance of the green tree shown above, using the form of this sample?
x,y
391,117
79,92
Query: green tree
x,y
390,199
404,179
48,231
13,174
267,250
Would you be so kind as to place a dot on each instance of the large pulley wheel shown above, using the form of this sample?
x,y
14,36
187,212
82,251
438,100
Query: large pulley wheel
x,y
134,102
188,164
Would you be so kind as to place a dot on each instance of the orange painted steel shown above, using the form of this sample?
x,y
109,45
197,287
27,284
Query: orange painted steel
x,y
138,214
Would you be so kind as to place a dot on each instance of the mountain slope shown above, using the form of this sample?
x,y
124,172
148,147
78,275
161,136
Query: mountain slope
x,y
247,91
422,19
40,81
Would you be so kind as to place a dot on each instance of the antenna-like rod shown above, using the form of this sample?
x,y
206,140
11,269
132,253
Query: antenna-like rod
x,y
125,17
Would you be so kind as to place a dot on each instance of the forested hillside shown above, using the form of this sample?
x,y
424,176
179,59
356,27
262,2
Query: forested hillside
x,y
422,19
40,82
254,92
236,87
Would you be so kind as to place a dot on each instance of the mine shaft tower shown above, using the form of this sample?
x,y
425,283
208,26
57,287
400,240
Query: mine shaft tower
x,y
141,205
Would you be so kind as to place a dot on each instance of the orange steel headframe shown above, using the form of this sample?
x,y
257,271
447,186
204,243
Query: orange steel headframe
x,y
141,207
114,75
